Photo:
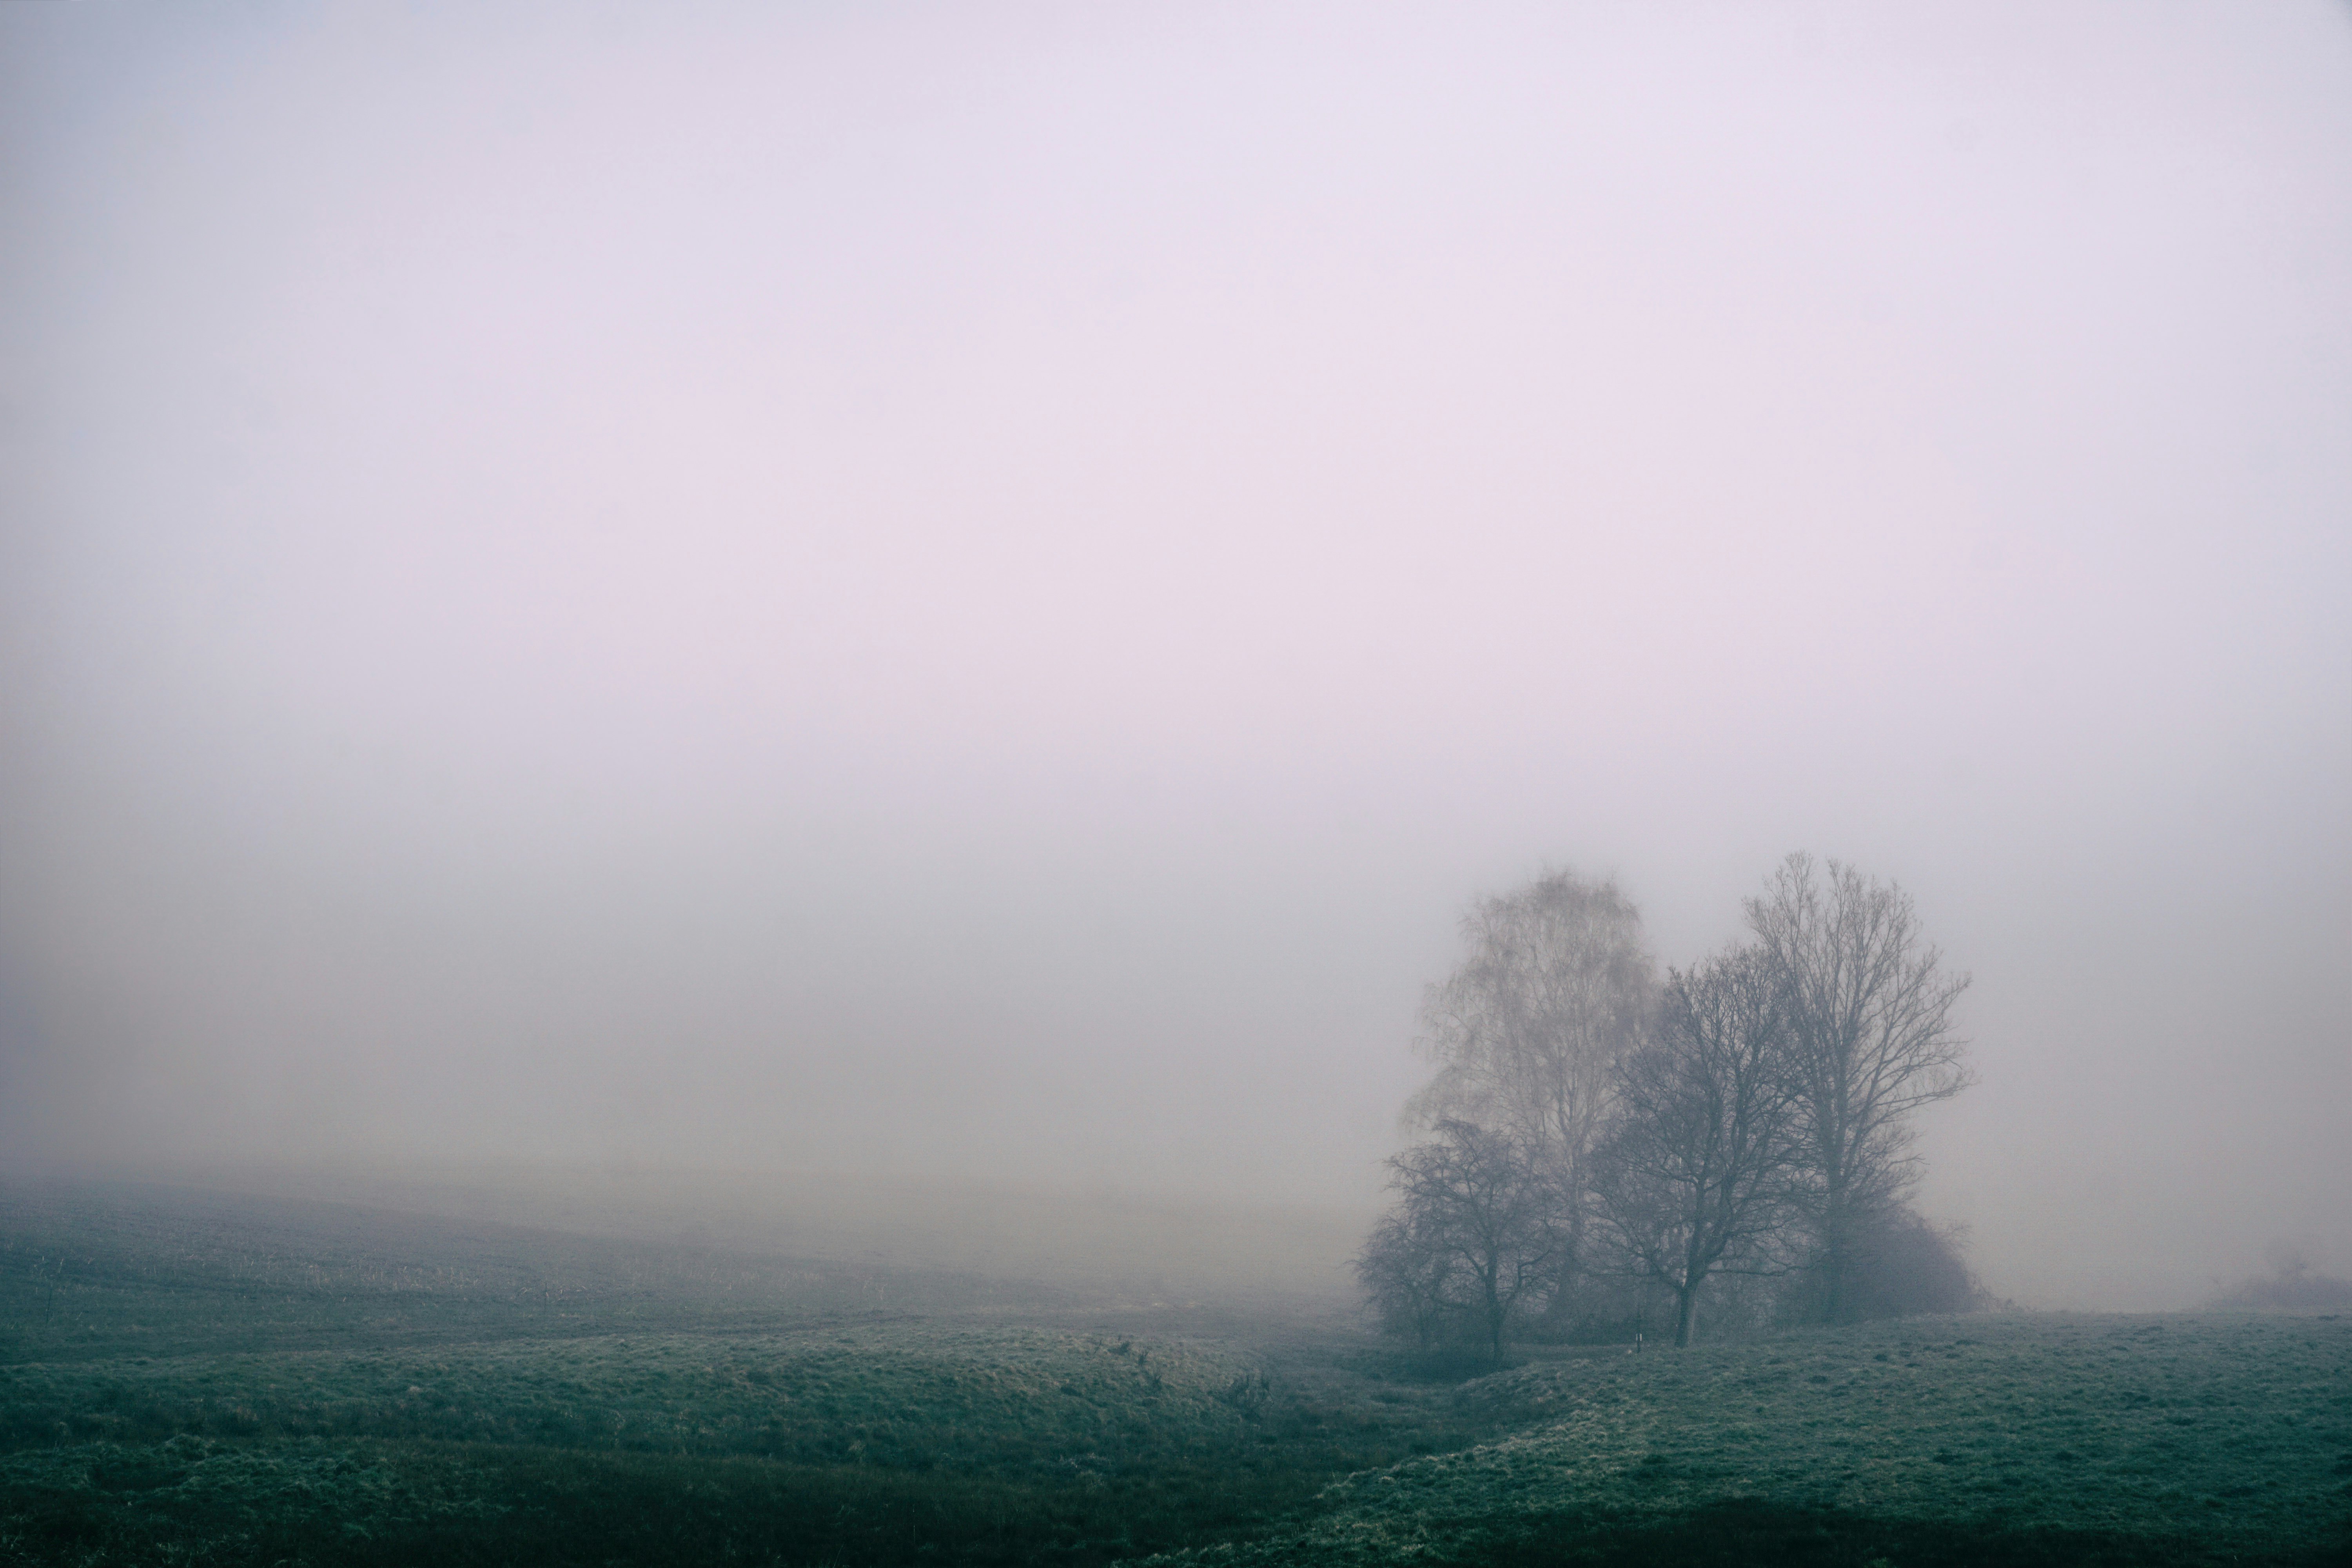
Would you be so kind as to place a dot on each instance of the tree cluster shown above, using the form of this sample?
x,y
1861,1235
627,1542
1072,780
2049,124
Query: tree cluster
x,y
2294,1286
1603,1141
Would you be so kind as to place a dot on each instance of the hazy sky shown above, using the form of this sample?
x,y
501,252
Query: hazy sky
x,y
966,589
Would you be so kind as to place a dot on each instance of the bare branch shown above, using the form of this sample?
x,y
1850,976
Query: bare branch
x,y
1869,1018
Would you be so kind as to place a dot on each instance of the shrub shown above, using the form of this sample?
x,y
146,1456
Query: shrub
x,y
2292,1286
1904,1264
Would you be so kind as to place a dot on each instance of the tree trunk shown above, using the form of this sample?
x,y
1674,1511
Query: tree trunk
x,y
1836,1260
1494,1309
1685,1314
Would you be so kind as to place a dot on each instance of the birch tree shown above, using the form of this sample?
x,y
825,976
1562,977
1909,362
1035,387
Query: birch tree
x,y
1527,1031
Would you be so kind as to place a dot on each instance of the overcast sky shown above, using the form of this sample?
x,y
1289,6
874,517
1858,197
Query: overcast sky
x,y
973,589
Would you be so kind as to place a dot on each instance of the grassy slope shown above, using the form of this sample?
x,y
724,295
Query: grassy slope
x,y
204,1380
913,1395
119,1271
1975,1439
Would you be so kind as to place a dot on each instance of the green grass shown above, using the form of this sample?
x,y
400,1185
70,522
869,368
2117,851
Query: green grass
x,y
219,1382
854,1443
192,1380
910,1396
1983,1438
116,1271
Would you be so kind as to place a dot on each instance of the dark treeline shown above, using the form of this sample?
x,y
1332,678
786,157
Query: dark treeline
x,y
1606,1146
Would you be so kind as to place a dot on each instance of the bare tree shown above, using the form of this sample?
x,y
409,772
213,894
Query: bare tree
x,y
1694,1176
1527,1031
1407,1277
1477,1217
1869,1021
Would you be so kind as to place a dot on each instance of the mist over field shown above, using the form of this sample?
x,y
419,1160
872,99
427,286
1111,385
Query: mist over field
x,y
961,599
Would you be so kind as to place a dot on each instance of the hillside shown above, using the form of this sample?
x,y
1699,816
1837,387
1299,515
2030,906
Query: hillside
x,y
210,1378
2013,1437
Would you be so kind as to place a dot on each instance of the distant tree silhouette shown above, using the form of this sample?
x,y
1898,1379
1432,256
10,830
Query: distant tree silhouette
x,y
1751,1121
2294,1286
1870,1042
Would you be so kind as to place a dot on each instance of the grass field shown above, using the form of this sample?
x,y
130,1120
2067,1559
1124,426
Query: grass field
x,y
200,1379
1986,1438
193,1378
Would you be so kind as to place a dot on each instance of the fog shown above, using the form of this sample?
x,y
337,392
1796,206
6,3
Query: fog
x,y
967,595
